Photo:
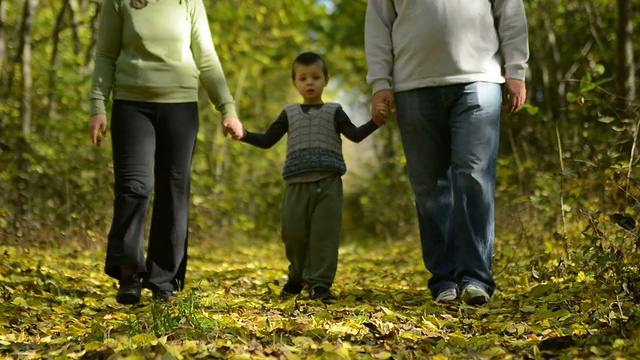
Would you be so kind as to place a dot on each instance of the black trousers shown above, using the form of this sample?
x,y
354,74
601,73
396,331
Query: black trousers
x,y
153,145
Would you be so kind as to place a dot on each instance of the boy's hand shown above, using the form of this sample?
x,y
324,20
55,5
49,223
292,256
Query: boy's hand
x,y
381,97
380,114
234,127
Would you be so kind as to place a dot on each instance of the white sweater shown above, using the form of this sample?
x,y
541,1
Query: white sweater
x,y
412,44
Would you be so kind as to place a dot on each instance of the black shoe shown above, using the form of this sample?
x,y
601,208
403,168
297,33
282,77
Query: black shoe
x,y
163,295
321,293
130,289
291,288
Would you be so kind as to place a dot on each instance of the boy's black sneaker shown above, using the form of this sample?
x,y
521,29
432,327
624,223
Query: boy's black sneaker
x,y
321,293
291,288
130,290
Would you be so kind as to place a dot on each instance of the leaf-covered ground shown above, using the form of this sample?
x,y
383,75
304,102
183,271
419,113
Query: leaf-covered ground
x,y
55,302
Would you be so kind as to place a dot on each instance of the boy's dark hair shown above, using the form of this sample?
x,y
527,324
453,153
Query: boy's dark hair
x,y
308,58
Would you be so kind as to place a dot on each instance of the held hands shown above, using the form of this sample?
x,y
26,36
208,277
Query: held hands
x,y
381,105
98,128
234,127
380,114
514,95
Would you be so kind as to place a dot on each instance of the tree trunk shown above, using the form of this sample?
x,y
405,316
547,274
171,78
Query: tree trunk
x,y
3,44
555,74
95,22
626,69
3,55
23,56
73,7
27,80
53,61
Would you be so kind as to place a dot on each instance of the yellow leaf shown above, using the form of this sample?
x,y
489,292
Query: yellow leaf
x,y
274,289
382,355
290,356
19,302
92,346
410,336
146,339
495,351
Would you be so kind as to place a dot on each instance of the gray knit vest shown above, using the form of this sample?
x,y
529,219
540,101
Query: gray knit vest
x,y
313,142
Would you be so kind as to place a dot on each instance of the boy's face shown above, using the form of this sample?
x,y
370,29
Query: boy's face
x,y
310,82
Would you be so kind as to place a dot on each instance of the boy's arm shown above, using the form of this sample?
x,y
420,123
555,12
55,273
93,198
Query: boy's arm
x,y
274,133
349,130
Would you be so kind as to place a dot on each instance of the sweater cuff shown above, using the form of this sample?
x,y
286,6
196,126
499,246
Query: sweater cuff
x,y
381,84
98,107
516,71
228,110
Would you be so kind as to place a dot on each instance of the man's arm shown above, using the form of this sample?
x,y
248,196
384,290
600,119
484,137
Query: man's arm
x,y
511,22
378,45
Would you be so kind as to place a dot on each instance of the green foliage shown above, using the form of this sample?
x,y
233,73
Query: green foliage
x,y
568,155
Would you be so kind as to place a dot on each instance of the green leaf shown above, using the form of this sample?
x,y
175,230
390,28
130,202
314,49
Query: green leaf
x,y
542,289
531,110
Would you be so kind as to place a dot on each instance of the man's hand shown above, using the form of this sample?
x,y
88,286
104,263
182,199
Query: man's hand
x,y
382,97
234,127
514,95
382,110
98,128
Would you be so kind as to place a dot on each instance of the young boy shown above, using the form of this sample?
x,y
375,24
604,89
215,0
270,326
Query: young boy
x,y
312,206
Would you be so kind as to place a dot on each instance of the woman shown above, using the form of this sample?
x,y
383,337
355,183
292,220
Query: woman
x,y
150,56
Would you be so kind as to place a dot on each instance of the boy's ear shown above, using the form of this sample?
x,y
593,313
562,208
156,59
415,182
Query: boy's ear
x,y
327,80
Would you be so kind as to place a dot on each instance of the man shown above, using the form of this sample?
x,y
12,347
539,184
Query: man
x,y
446,61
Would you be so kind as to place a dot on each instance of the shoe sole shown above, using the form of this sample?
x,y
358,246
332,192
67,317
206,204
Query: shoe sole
x,y
477,299
447,298
128,299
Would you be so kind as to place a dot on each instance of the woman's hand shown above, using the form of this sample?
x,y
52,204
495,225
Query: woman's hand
x,y
234,127
98,128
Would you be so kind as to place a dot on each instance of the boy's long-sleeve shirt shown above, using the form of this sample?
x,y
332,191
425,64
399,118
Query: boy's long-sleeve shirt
x,y
314,147
411,44
157,53
280,126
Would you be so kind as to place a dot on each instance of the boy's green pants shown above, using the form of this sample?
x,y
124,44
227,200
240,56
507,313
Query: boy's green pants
x,y
311,225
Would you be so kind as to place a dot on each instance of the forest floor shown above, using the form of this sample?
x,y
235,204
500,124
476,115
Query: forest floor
x,y
55,302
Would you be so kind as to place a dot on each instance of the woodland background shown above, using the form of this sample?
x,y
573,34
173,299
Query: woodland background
x,y
566,158
567,187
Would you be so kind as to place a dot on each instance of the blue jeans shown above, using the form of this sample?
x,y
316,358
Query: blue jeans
x,y
450,136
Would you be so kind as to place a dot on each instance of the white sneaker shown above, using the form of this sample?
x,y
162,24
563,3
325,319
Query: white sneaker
x,y
474,295
447,295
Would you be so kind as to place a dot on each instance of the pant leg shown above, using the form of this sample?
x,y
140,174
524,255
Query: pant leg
x,y
176,131
133,141
475,129
324,237
295,229
426,139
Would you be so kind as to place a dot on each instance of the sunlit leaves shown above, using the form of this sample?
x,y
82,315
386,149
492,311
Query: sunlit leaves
x,y
57,301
